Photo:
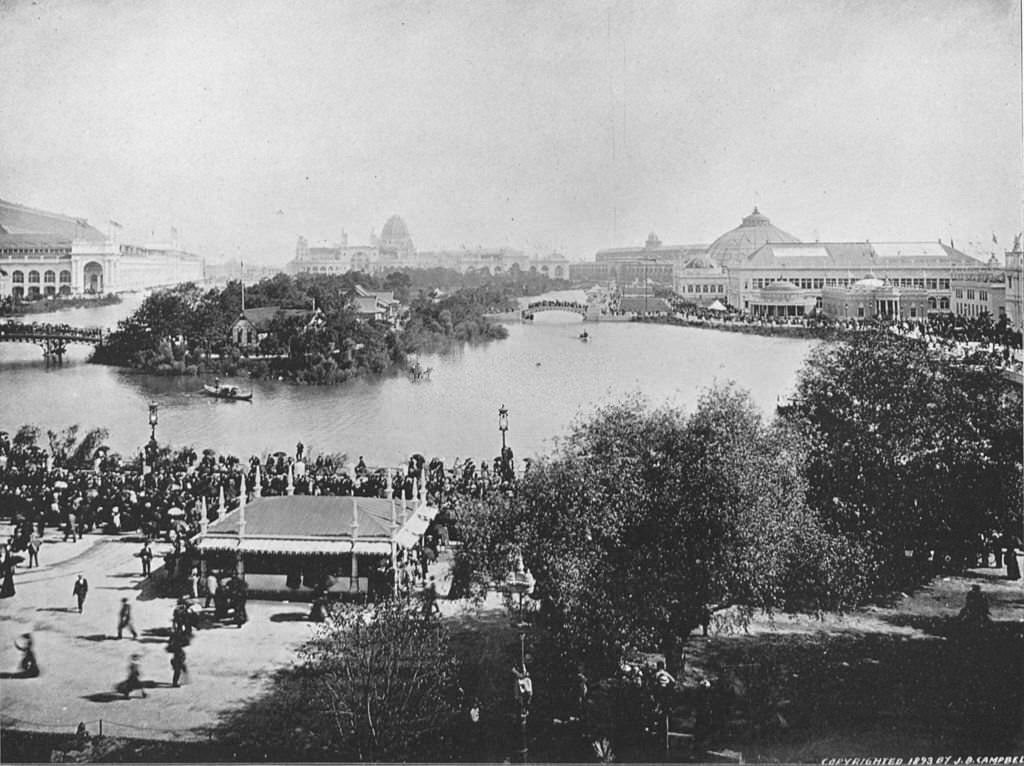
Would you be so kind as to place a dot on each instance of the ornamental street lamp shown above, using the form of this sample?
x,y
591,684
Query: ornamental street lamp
x,y
502,425
521,582
153,420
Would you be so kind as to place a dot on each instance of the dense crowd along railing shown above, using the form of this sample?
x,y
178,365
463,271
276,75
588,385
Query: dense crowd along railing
x,y
162,494
36,331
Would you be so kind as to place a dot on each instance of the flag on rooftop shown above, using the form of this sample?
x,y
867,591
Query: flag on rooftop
x,y
115,224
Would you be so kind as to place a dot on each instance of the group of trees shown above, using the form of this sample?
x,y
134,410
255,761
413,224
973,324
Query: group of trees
x,y
68,447
908,452
186,330
643,522
370,686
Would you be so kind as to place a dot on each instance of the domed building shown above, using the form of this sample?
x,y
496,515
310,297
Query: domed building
x,y
753,232
874,298
394,241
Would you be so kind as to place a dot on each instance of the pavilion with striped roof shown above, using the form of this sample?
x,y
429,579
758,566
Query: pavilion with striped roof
x,y
294,543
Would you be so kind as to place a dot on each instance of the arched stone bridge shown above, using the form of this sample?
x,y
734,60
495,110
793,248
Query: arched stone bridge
x,y
52,338
539,306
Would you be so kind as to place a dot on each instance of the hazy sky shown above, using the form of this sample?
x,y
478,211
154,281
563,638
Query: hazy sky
x,y
539,125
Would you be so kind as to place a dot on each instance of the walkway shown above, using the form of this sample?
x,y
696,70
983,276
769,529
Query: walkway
x,y
81,660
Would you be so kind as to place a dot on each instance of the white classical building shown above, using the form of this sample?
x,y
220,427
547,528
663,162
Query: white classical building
x,y
759,268
48,254
394,250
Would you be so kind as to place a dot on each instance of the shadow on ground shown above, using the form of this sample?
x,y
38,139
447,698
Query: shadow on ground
x,y
290,617
948,688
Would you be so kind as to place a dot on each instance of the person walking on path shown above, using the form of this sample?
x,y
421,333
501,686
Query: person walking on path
x,y
124,619
176,646
29,666
70,530
146,555
134,679
193,583
80,591
430,607
35,542
211,589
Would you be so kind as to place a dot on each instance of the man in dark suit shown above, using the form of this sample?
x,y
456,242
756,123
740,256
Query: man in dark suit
x,y
80,590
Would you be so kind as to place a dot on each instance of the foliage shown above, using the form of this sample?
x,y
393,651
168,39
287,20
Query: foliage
x,y
642,520
185,330
71,452
373,686
907,450
26,437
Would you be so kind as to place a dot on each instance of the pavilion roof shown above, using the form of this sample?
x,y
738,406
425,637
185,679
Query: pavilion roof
x,y
319,524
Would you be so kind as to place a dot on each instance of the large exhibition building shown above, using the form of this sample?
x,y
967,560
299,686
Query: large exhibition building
x,y
763,270
45,254
394,250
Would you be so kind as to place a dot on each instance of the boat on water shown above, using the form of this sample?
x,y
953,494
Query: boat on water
x,y
227,392
584,336
418,372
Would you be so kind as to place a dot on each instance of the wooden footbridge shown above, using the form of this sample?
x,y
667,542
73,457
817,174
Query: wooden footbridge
x,y
52,338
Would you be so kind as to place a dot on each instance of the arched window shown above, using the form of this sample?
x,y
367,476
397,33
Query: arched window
x,y
18,277
33,277
18,292
49,277
931,304
944,303
65,277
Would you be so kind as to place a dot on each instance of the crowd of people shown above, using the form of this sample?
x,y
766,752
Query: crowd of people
x,y
977,339
15,329
168,497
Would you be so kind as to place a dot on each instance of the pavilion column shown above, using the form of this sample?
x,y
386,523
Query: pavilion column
x,y
354,568
394,543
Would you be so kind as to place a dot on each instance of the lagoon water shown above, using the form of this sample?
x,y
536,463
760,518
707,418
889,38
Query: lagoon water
x,y
542,373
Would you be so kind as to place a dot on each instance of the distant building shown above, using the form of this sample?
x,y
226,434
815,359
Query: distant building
x,y
50,254
1014,271
978,291
700,280
812,267
394,250
761,268
754,232
253,325
378,305
874,299
653,263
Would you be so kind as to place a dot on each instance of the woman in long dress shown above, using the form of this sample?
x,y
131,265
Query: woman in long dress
x,y
7,563
1012,567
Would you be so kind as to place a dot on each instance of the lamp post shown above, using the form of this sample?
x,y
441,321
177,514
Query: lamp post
x,y
153,420
502,425
521,582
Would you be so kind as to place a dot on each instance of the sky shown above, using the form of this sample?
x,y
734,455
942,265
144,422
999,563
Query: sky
x,y
544,126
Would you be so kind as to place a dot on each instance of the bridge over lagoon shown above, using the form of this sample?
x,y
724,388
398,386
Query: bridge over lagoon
x,y
52,338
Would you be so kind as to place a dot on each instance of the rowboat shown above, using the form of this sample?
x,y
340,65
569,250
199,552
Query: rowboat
x,y
227,392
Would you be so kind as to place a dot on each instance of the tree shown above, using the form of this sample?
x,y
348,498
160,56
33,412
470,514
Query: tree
x,y
26,437
643,521
379,681
907,450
